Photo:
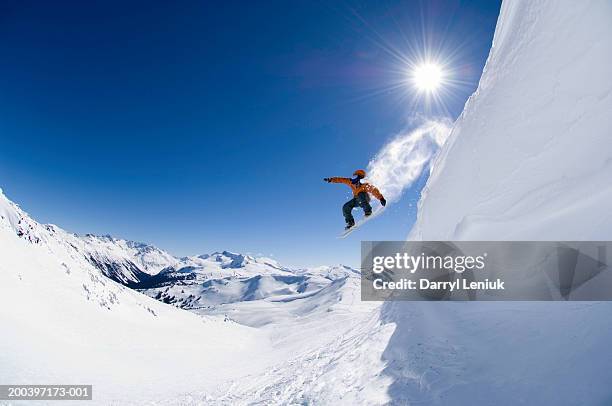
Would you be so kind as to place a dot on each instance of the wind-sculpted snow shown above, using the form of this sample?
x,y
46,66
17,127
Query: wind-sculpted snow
x,y
402,160
531,155
530,158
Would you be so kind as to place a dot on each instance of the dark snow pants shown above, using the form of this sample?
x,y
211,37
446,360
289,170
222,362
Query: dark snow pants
x,y
362,200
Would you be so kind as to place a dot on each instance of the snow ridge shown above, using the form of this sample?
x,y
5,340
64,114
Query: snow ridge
x,y
530,157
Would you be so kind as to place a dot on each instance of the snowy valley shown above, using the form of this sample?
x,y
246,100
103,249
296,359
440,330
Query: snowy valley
x,y
73,318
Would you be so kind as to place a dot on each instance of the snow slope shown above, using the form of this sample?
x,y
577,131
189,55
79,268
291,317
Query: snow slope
x,y
530,158
64,321
333,343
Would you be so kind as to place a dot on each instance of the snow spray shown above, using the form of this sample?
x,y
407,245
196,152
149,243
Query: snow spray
x,y
401,161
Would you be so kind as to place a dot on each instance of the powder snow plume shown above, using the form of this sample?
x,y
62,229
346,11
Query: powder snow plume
x,y
402,160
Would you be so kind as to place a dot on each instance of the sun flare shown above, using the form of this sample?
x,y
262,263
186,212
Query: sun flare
x,y
428,77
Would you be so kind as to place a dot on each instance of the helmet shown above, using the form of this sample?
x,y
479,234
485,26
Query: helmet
x,y
359,173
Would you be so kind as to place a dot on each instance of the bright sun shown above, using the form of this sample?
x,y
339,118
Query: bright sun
x,y
428,77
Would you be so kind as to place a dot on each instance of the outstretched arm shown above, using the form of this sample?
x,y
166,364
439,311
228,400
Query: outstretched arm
x,y
346,181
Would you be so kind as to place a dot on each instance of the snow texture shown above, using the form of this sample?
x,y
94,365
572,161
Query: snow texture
x,y
531,155
530,158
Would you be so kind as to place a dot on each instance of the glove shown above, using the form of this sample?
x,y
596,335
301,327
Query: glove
x,y
383,202
328,180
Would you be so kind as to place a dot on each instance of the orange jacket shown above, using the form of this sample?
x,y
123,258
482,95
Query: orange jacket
x,y
361,187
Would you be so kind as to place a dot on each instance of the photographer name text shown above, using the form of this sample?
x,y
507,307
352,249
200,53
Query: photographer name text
x,y
426,284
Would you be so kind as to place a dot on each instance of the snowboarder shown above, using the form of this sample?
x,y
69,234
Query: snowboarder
x,y
361,195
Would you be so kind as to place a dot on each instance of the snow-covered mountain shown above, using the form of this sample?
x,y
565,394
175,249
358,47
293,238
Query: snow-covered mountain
x,y
126,262
192,282
140,265
67,320
219,280
530,158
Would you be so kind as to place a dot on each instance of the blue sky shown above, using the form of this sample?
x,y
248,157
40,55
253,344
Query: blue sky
x,y
204,126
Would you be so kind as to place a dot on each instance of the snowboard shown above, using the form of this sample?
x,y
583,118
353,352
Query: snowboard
x,y
361,222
